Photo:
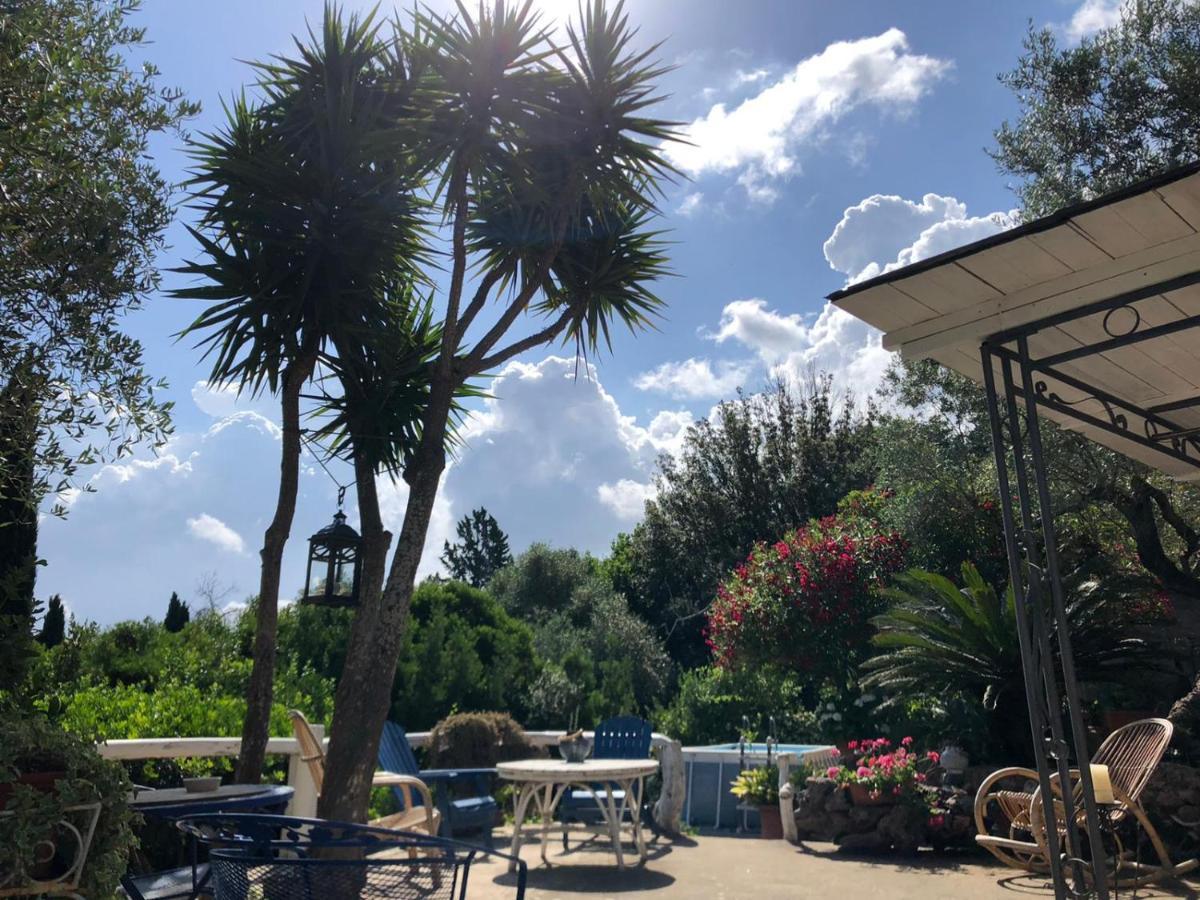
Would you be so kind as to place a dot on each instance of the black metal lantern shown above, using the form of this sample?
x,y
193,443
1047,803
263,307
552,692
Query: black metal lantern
x,y
333,552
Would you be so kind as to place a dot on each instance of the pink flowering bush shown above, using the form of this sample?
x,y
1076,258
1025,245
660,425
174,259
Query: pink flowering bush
x,y
884,770
803,602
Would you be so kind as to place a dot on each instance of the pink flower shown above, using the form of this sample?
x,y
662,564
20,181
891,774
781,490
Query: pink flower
x,y
831,772
853,745
896,790
863,772
907,742
934,756
937,821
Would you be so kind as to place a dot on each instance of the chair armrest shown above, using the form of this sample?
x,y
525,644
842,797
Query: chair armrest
x,y
436,775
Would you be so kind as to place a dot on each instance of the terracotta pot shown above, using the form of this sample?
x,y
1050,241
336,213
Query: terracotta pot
x,y
43,782
770,822
860,795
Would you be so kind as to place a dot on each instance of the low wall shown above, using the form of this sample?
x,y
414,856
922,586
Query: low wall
x,y
667,811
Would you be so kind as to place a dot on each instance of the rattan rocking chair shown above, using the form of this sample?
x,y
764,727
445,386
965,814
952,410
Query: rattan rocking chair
x,y
422,816
1131,754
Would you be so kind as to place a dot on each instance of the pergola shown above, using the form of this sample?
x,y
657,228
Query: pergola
x,y
1086,317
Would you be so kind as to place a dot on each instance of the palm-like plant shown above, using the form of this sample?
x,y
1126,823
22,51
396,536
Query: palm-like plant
x,y
307,215
941,640
546,168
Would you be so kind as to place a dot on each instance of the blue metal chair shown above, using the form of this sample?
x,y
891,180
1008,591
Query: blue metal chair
x,y
621,737
289,858
463,796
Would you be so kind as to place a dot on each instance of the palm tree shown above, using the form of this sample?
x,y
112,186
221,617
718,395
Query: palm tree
x,y
546,169
307,217
940,640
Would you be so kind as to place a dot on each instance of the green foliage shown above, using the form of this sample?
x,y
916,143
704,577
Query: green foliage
x,y
54,624
1120,106
477,740
461,651
759,786
84,213
36,745
178,614
760,466
940,640
600,658
712,703
481,551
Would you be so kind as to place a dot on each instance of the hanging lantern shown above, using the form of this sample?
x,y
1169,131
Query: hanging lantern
x,y
334,557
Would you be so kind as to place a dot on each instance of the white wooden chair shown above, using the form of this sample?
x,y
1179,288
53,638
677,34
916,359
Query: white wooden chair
x,y
414,817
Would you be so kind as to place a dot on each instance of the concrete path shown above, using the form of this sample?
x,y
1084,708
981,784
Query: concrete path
x,y
733,868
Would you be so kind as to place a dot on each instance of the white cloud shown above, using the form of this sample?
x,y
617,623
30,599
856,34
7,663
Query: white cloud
x,y
1092,16
791,345
211,529
885,232
694,378
553,457
759,139
220,401
626,498
690,205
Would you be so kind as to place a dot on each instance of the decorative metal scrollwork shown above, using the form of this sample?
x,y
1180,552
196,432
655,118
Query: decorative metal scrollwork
x,y
1110,323
1115,417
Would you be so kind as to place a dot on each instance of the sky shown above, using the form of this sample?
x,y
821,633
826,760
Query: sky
x,y
828,142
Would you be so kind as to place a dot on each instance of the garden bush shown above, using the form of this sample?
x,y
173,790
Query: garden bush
x,y
477,740
712,702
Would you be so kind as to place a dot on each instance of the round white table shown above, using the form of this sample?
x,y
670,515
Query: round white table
x,y
545,781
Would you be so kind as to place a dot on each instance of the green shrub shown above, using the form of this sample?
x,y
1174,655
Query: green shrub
x,y
712,702
477,740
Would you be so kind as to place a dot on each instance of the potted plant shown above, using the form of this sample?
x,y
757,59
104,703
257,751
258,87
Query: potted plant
x,y
760,787
876,774
46,776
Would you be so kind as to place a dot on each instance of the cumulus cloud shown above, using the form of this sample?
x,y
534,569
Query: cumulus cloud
x,y
222,400
690,205
1092,16
626,498
792,345
759,139
884,232
554,458
694,379
211,529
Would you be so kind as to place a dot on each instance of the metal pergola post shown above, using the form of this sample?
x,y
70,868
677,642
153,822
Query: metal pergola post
x,y
1031,544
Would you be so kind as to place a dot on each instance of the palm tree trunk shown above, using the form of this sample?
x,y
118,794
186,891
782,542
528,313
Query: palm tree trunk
x,y
364,690
260,691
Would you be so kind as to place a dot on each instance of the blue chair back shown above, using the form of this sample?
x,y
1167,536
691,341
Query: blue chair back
x,y
395,753
622,737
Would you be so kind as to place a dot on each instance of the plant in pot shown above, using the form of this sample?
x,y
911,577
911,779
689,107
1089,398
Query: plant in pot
x,y
876,774
760,787
45,772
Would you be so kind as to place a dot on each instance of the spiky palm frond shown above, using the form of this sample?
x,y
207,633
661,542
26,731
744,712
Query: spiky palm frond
x,y
380,383
307,206
938,638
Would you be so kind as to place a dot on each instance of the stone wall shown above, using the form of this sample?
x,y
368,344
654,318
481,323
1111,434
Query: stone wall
x,y
824,812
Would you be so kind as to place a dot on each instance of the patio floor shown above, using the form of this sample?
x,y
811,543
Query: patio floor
x,y
731,868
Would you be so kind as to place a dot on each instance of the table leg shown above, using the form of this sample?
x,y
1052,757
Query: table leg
x,y
614,823
546,804
635,814
521,798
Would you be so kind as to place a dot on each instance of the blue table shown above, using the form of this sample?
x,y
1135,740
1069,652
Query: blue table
x,y
186,882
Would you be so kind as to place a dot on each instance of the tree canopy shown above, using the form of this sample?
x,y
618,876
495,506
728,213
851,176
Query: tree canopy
x,y
481,550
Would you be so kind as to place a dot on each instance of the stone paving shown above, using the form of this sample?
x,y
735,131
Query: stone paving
x,y
731,868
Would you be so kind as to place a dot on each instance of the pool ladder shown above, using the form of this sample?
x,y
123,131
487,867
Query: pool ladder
x,y
772,742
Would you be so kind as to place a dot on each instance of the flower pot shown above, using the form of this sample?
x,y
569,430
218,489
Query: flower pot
x,y
770,823
42,782
860,795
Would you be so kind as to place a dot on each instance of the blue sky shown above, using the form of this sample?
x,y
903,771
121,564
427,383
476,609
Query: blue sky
x,y
829,142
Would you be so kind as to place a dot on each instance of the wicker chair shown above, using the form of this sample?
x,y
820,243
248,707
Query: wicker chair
x,y
1131,754
422,816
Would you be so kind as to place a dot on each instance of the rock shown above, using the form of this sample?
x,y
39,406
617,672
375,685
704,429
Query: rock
x,y
904,828
838,801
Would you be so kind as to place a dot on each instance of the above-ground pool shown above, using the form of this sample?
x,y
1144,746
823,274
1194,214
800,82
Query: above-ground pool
x,y
710,770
